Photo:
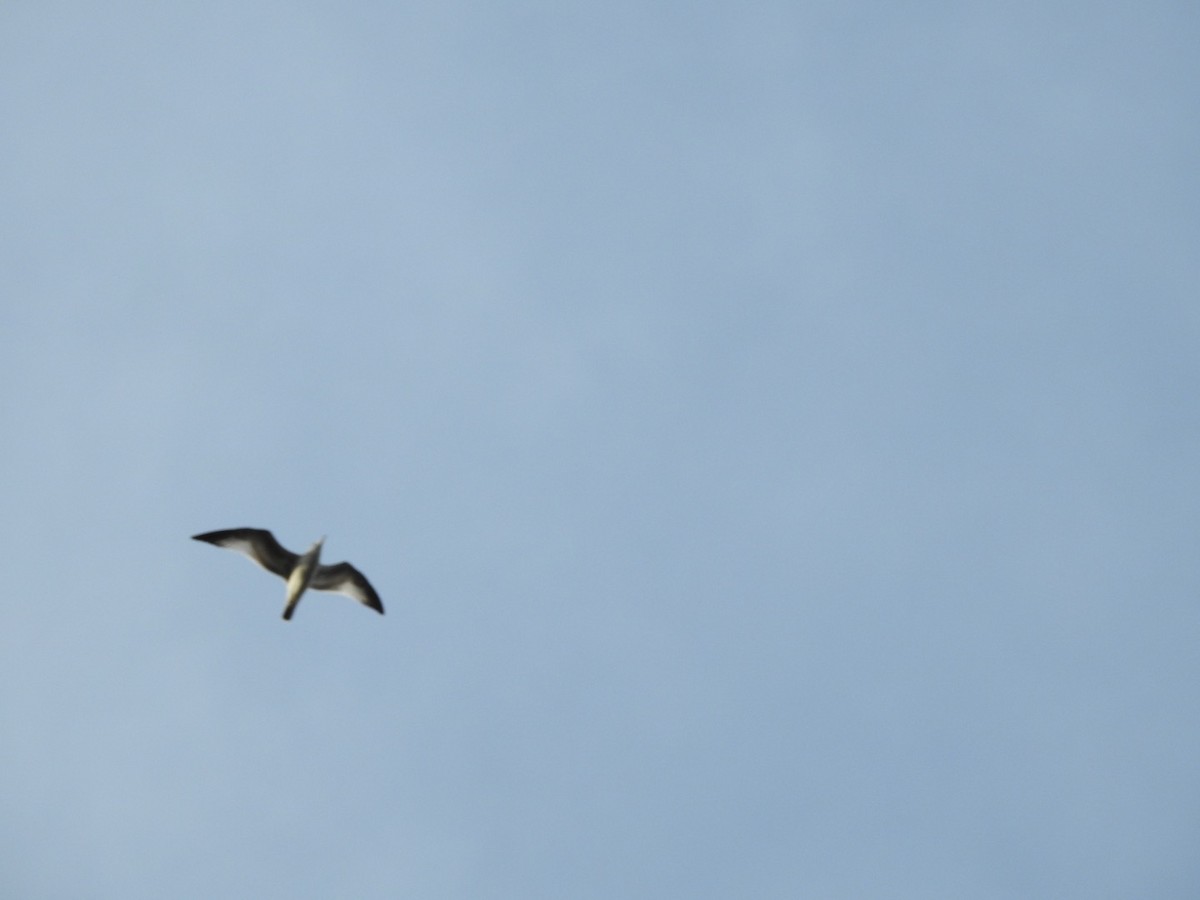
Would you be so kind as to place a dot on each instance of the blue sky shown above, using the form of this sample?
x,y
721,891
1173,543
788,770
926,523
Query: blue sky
x,y
772,428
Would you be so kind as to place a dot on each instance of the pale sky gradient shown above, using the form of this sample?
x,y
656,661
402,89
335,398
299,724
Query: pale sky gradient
x,y
772,427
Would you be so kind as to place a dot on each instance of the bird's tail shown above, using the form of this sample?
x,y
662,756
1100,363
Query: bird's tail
x,y
288,610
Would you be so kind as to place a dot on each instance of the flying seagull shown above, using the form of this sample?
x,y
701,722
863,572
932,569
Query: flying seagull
x,y
300,571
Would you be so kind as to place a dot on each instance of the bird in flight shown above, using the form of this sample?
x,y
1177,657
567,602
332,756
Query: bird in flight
x,y
300,571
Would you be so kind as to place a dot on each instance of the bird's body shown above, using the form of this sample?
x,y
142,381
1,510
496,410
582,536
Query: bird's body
x,y
301,577
301,571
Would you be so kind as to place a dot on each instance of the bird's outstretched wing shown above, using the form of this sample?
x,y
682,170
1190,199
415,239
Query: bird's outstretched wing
x,y
258,544
343,578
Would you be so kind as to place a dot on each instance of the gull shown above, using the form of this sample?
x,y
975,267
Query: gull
x,y
300,571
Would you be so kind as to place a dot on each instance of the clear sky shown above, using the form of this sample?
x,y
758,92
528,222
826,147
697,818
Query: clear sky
x,y
772,427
